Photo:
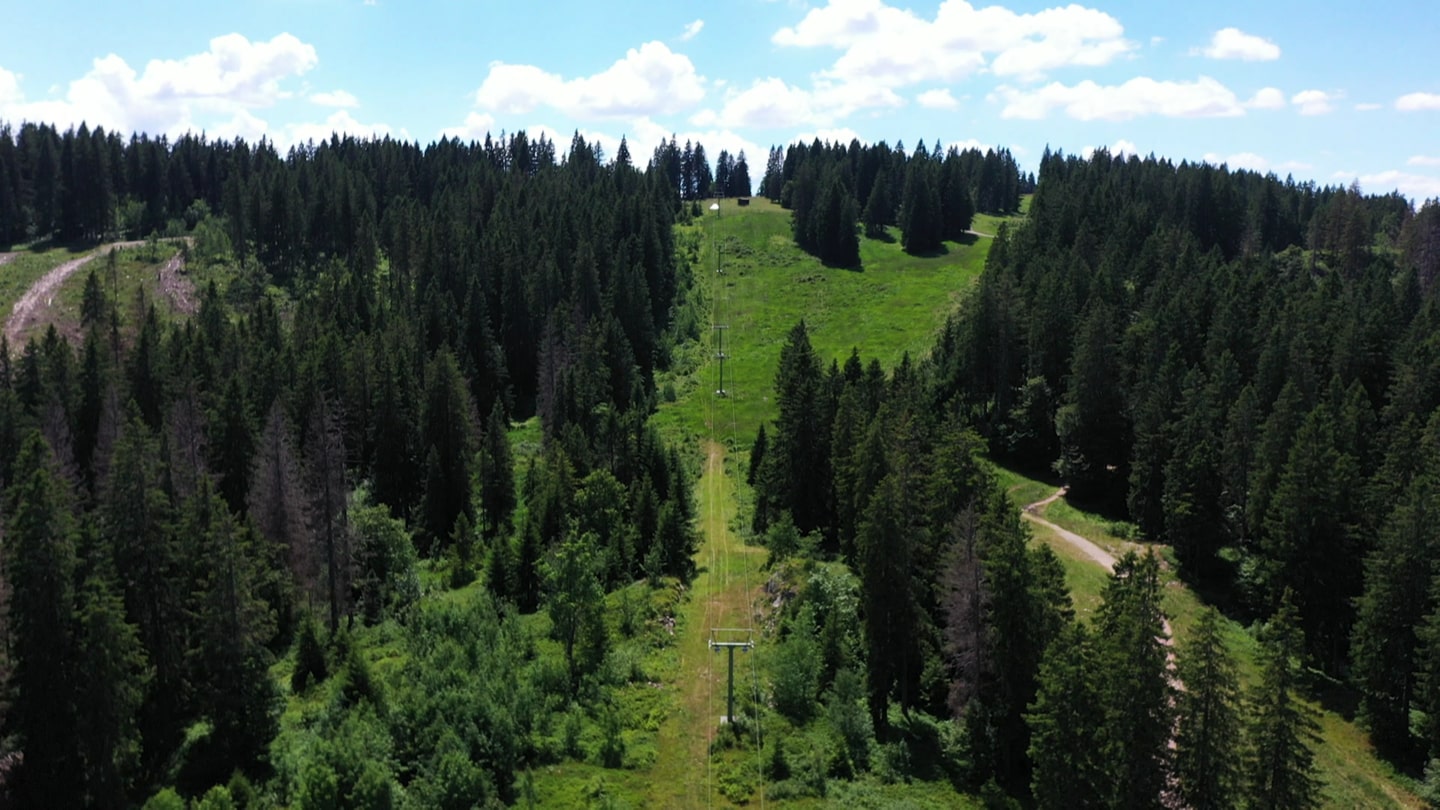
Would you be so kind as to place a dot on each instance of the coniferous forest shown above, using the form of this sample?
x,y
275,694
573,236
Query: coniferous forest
x,y
389,521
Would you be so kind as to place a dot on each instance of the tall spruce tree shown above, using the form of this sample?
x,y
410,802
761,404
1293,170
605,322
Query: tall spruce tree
x,y
1207,759
136,524
229,658
1136,694
1384,644
446,436
497,476
1280,759
1065,727
40,567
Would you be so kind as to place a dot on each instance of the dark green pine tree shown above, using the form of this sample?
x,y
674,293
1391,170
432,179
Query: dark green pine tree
x,y
833,223
1136,693
1280,760
233,447
93,305
885,547
445,433
40,563
1065,726
1091,419
1306,543
921,229
1191,488
136,526
497,476
1207,759
1384,653
795,475
229,659
877,213
757,455
111,692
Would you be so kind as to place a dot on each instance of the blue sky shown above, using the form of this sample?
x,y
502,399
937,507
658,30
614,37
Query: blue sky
x,y
1334,93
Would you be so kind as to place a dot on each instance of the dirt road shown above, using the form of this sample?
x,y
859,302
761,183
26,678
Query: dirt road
x,y
42,293
1094,552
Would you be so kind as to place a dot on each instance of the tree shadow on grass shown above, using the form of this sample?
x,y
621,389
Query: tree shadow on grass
x,y
943,250
857,267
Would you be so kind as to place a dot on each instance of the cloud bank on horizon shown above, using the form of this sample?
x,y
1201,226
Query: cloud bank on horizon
x,y
1235,84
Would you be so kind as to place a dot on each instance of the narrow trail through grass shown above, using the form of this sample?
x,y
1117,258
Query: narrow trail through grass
x,y
724,594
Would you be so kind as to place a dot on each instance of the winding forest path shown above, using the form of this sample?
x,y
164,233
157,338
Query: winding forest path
x,y
724,594
1103,558
1082,544
38,298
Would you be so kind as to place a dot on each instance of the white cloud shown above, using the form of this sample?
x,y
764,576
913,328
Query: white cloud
x,y
894,47
1232,43
233,76
1414,186
1240,160
771,103
937,99
643,134
1266,98
336,98
1288,166
1415,102
1314,102
1368,106
1121,148
842,135
1423,160
1138,97
476,127
339,122
691,30
9,87
650,79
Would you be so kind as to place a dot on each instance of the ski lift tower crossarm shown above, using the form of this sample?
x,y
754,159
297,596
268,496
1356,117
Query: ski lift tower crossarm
x,y
719,327
728,639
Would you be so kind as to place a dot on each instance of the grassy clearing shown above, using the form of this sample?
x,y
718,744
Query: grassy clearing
x,y
136,280
1353,776
893,306
726,593
19,274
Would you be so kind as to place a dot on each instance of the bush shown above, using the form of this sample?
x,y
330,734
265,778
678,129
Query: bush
x,y
310,665
850,718
795,669
166,799
612,740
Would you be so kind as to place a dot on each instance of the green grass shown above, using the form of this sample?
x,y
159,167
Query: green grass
x,y
1353,776
894,305
136,271
25,269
